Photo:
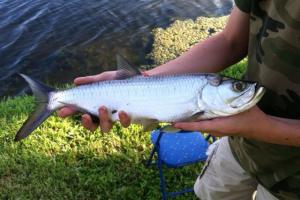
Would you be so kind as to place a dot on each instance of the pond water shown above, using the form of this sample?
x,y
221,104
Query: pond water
x,y
58,40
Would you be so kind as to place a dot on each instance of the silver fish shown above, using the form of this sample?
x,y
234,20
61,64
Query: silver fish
x,y
148,100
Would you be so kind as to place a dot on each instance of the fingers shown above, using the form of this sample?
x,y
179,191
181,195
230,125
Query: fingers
x,y
124,119
85,119
65,112
105,121
109,75
88,123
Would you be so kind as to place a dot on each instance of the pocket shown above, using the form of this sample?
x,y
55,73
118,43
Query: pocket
x,y
211,153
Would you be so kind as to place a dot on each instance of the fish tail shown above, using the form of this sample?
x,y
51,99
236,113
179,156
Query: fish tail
x,y
41,112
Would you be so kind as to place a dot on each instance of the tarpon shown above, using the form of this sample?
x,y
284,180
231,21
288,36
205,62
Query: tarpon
x,y
147,99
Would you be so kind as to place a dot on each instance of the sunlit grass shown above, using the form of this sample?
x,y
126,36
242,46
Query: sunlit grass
x,y
237,70
62,160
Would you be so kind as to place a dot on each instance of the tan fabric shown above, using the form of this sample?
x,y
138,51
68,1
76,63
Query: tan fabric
x,y
263,194
224,178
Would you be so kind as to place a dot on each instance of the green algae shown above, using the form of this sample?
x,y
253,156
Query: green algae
x,y
171,42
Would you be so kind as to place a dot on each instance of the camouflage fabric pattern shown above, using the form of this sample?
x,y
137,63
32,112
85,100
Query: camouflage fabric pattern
x,y
274,61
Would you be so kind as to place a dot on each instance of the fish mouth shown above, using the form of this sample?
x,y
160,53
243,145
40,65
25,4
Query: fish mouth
x,y
249,98
259,93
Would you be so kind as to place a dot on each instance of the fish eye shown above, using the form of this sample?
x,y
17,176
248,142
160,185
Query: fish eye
x,y
238,86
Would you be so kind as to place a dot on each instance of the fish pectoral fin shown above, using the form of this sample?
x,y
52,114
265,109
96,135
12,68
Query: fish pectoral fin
x,y
170,129
196,116
148,124
125,70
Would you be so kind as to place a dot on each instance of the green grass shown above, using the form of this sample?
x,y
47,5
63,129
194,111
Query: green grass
x,y
237,70
62,160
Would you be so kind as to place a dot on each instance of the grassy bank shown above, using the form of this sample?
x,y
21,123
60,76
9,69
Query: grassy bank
x,y
62,160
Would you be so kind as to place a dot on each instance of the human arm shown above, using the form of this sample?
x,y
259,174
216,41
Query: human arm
x,y
252,124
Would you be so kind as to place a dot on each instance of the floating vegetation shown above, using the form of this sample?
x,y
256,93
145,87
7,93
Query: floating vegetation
x,y
171,42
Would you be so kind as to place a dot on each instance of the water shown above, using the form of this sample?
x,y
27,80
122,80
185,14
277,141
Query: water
x,y
56,41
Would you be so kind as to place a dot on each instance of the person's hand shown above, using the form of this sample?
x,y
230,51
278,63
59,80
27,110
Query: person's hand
x,y
105,121
245,124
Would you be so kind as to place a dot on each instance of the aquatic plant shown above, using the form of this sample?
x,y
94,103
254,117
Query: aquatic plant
x,y
171,42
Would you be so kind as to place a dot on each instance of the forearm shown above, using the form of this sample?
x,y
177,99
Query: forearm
x,y
279,131
216,52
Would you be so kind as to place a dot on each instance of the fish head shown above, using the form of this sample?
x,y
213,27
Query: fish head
x,y
230,96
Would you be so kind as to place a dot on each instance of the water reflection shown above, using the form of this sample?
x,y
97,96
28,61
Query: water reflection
x,y
58,40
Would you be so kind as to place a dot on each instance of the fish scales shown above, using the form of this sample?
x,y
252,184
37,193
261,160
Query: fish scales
x,y
155,97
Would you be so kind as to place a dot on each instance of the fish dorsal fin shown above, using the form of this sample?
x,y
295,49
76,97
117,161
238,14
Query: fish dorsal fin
x,y
125,70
